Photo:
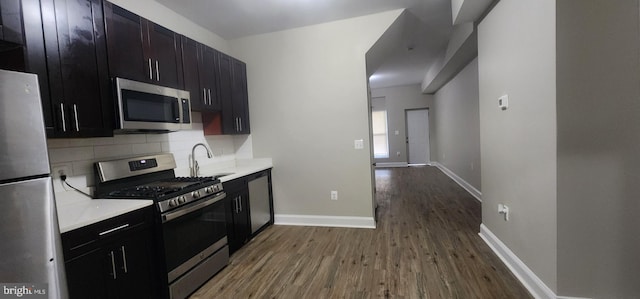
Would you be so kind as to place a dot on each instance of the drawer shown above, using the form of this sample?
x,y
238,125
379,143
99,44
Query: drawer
x,y
84,239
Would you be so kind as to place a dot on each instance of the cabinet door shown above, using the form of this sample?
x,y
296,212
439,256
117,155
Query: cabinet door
x,y
240,97
11,30
190,70
77,64
232,79
35,55
134,265
243,223
225,87
124,44
237,205
208,76
238,225
163,45
87,275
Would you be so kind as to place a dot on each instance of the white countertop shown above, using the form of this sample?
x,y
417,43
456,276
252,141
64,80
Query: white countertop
x,y
76,210
242,168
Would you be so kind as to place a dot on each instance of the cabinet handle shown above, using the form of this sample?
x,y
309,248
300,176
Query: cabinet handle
x,y
75,114
237,124
124,259
113,229
64,123
113,266
209,92
204,96
240,202
240,122
157,71
150,70
237,205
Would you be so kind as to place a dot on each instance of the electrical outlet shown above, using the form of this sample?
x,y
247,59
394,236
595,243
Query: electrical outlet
x,y
398,154
334,195
57,171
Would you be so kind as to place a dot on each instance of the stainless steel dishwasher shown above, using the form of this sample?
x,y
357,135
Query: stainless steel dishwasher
x,y
259,201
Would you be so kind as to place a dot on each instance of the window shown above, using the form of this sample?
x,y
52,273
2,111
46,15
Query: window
x,y
380,136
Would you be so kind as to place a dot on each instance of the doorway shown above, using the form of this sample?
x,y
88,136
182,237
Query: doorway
x,y
417,136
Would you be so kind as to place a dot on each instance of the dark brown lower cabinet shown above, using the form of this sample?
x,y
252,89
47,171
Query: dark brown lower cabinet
x,y
112,259
237,206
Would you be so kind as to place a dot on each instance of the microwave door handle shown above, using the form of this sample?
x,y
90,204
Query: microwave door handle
x,y
177,108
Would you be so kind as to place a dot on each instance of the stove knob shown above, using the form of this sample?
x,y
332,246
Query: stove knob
x,y
209,189
182,199
173,203
195,194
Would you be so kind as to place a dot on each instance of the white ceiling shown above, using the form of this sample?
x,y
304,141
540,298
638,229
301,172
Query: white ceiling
x,y
426,29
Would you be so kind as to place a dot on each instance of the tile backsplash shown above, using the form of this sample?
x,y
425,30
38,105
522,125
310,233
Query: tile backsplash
x,y
78,155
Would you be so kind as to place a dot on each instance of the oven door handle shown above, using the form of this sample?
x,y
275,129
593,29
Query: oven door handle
x,y
187,210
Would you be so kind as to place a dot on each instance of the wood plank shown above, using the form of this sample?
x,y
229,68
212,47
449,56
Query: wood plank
x,y
426,245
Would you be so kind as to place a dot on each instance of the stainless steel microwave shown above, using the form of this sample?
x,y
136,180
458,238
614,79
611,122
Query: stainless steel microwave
x,y
144,107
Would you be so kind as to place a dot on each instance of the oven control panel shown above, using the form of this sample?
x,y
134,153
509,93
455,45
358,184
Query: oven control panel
x,y
142,164
186,198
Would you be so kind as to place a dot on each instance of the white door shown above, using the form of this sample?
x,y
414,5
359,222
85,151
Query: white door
x,y
418,136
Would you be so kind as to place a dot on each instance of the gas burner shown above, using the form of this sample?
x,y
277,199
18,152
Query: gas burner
x,y
193,179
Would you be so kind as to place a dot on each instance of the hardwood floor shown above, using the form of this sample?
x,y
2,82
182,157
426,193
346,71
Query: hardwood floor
x,y
426,245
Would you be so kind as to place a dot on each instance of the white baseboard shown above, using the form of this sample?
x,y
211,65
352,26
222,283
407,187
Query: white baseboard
x,y
391,164
471,189
330,221
530,280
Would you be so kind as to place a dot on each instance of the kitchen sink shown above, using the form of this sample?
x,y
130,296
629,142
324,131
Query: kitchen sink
x,y
219,175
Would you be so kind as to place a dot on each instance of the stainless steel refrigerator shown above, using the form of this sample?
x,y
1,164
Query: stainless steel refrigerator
x,y
30,247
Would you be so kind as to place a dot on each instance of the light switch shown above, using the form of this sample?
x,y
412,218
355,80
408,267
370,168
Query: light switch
x,y
358,144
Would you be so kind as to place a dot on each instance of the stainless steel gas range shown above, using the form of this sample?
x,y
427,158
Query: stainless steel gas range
x,y
191,221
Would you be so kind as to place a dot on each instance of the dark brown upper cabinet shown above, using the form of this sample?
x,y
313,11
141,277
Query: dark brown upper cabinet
x,y
239,96
199,71
234,101
209,77
233,93
22,46
79,102
141,50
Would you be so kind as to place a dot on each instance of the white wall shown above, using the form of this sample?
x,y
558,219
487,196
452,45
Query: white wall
x,y
516,56
308,103
598,73
397,100
455,126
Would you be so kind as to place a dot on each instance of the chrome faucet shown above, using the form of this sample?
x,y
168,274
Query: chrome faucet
x,y
193,163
